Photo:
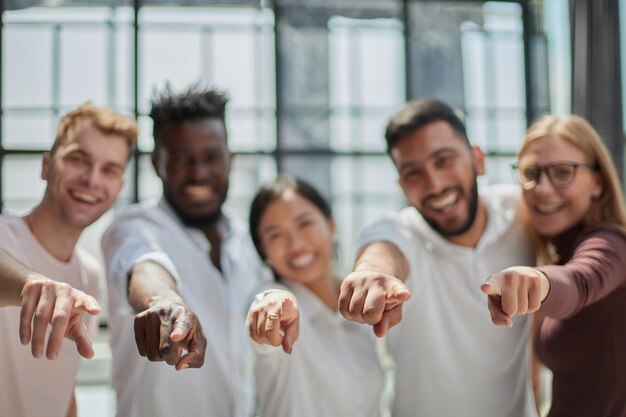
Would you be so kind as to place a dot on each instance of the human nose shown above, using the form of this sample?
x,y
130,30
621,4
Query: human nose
x,y
91,175
198,169
433,181
295,241
542,182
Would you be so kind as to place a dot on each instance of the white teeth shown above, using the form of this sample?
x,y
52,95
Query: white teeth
x,y
198,191
303,260
548,208
444,202
85,198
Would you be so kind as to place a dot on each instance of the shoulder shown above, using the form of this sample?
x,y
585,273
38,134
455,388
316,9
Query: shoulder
x,y
141,214
11,226
610,235
406,219
502,196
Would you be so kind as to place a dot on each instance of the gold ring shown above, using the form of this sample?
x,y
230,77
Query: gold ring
x,y
272,317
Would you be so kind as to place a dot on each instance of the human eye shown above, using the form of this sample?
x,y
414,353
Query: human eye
x,y
412,175
528,172
177,159
562,173
112,171
76,158
444,160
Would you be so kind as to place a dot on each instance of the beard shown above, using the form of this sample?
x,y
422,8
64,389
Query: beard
x,y
197,221
472,210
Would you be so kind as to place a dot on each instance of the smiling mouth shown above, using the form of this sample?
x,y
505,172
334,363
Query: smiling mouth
x,y
303,260
83,197
445,202
548,208
198,191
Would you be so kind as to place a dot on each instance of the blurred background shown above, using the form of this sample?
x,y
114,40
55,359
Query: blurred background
x,y
312,84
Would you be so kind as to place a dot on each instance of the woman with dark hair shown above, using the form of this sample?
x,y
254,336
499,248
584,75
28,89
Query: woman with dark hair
x,y
574,209
334,370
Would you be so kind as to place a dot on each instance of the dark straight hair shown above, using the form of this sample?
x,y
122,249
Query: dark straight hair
x,y
272,190
417,114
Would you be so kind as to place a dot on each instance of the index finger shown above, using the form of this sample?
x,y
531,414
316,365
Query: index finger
x,y
60,321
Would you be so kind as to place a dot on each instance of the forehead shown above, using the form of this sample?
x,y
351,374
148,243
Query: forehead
x,y
195,133
286,206
97,144
427,140
552,148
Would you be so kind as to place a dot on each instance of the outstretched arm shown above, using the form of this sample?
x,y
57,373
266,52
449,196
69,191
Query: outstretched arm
x,y
45,302
375,291
274,319
165,327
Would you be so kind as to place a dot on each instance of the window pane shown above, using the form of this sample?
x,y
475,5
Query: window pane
x,y
22,185
85,65
27,81
28,130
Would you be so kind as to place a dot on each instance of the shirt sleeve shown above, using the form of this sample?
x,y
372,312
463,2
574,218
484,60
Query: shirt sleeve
x,y
393,230
595,270
127,242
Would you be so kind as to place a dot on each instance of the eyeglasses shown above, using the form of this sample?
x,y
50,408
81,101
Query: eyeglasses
x,y
560,173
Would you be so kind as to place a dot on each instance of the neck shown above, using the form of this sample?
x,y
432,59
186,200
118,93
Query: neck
x,y
472,236
327,290
53,234
215,240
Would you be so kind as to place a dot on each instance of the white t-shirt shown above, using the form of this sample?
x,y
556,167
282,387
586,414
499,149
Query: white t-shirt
x,y
450,359
31,387
223,386
334,368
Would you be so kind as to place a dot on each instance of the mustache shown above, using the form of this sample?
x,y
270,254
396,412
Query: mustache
x,y
430,197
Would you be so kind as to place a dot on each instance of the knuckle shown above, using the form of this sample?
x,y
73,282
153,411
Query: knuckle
x,y
60,317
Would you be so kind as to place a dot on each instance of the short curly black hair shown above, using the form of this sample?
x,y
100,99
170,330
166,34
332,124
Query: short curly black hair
x,y
196,102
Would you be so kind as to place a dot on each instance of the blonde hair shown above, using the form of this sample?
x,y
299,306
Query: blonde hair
x,y
105,120
609,207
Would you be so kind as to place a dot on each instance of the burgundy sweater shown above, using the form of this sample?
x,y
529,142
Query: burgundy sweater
x,y
583,338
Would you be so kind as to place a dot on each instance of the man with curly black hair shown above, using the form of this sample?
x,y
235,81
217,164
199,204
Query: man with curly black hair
x,y
174,264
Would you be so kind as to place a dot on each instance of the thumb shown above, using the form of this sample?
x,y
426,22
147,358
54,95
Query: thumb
x,y
490,287
181,328
399,292
88,304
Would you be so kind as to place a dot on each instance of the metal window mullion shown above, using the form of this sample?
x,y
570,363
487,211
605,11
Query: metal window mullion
x,y
278,151
135,173
1,103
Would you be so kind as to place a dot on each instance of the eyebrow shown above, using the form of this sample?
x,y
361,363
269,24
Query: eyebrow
x,y
88,155
274,227
435,154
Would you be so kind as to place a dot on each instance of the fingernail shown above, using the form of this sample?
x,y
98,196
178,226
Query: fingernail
x,y
53,355
38,353
185,366
24,340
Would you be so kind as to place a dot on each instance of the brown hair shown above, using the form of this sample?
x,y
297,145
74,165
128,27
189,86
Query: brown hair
x,y
609,207
104,119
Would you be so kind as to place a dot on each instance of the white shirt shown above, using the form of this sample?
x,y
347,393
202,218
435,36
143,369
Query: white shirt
x,y
450,359
333,371
223,386
31,387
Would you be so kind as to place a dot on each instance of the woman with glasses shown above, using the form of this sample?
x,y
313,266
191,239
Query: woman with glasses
x,y
574,209
334,368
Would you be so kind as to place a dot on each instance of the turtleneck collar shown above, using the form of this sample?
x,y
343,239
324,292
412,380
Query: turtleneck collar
x,y
565,242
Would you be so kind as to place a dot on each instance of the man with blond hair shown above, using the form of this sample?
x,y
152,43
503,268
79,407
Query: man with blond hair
x,y
84,174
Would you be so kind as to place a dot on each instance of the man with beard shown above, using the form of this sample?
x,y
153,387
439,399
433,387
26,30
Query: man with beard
x,y
174,264
48,279
450,360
